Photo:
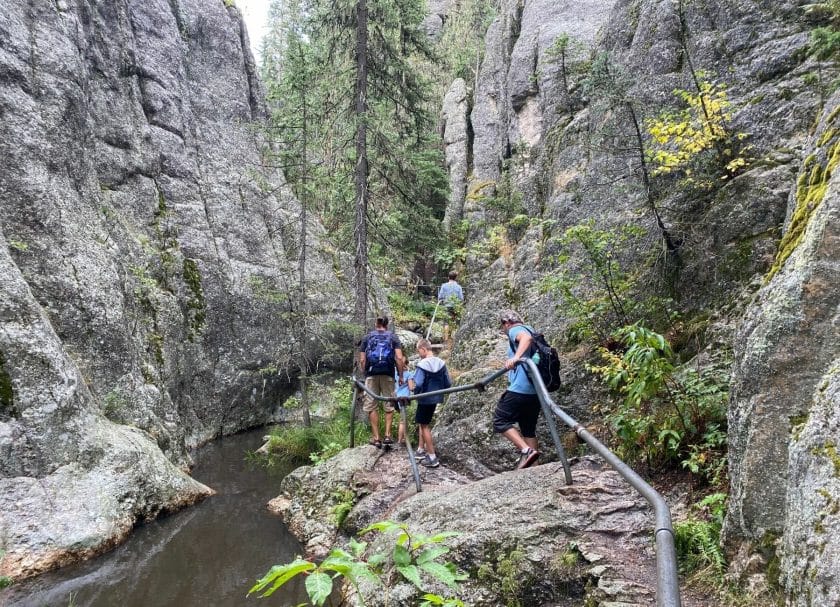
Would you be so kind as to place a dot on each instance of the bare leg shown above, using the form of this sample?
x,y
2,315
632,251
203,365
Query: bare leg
x,y
512,434
426,437
374,423
389,420
532,442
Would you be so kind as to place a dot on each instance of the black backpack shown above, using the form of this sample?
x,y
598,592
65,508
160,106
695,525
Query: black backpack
x,y
379,353
549,360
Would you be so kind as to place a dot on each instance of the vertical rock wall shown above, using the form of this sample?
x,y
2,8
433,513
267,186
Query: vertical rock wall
x,y
149,264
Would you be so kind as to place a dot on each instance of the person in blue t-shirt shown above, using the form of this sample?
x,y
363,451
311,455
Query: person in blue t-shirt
x,y
519,404
451,295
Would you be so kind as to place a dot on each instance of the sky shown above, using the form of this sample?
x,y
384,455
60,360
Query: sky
x,y
255,13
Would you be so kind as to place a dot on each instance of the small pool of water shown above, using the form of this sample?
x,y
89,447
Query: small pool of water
x,y
207,555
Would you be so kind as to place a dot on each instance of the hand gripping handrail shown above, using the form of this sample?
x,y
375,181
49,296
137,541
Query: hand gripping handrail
x,y
667,579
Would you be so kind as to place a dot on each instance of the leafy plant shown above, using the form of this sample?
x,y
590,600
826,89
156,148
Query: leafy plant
x,y
697,539
667,414
345,499
414,558
322,440
681,138
599,294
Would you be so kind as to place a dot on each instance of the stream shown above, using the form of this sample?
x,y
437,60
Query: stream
x,y
207,555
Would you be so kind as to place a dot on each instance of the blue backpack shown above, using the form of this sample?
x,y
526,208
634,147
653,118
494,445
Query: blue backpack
x,y
379,353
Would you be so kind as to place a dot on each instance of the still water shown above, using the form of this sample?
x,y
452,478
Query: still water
x,y
207,555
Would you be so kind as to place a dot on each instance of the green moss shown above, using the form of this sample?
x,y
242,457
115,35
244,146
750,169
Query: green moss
x,y
506,576
797,423
810,191
156,341
196,305
7,393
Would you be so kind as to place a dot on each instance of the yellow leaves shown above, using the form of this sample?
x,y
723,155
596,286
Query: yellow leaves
x,y
680,137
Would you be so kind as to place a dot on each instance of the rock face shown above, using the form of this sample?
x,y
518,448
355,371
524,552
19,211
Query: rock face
x,y
546,148
456,139
148,264
783,417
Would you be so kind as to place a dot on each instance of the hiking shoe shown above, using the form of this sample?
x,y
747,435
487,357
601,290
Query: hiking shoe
x,y
527,458
430,461
388,441
420,453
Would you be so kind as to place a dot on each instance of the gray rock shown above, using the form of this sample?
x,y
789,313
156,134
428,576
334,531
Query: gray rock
x,y
786,343
153,253
527,526
454,116
811,541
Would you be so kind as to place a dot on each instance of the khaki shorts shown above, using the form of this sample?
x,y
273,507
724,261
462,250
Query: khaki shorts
x,y
383,385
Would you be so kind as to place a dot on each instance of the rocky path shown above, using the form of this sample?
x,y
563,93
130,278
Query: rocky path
x,y
525,535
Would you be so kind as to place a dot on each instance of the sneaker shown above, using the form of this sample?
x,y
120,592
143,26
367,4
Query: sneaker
x,y
527,458
420,453
388,441
430,461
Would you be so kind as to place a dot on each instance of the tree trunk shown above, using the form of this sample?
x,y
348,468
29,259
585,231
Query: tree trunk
x,y
303,306
361,171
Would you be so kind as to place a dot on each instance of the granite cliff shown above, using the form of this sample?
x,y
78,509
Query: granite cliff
x,y
148,265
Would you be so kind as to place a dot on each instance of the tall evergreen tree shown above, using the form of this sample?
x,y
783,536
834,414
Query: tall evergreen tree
x,y
375,144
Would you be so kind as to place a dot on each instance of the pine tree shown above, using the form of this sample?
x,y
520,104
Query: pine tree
x,y
375,141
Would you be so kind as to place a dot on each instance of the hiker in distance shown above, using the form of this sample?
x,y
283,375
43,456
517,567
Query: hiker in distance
x,y
451,295
430,375
519,404
380,354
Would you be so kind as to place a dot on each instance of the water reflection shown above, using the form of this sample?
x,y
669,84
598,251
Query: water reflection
x,y
208,555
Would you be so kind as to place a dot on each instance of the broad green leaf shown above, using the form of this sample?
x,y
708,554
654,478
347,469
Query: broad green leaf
x,y
431,554
402,556
412,574
318,587
440,572
280,574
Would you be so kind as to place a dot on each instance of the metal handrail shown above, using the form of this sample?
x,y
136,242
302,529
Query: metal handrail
x,y
667,579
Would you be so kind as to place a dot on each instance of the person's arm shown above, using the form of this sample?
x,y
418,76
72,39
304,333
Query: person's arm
x,y
523,343
398,356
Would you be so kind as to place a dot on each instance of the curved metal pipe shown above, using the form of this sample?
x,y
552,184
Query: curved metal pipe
x,y
667,577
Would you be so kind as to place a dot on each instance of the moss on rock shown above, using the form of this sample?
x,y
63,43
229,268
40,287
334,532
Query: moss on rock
x,y
7,394
811,188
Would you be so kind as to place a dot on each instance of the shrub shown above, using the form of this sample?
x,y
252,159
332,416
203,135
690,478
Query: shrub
x,y
667,415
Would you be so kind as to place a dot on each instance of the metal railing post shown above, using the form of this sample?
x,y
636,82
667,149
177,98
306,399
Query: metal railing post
x,y
353,399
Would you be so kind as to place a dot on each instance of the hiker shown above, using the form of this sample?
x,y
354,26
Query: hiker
x,y
403,391
451,295
429,376
380,354
519,404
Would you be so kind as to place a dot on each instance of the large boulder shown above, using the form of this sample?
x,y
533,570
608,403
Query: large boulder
x,y
524,536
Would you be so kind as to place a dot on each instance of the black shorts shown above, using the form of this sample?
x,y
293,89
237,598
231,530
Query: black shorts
x,y
424,414
515,408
